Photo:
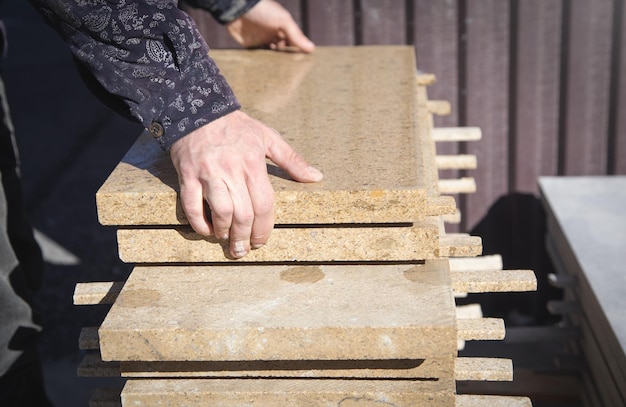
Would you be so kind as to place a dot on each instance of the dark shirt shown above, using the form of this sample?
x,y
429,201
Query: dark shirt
x,y
146,59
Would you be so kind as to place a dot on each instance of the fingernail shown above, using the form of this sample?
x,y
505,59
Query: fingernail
x,y
240,249
257,246
315,173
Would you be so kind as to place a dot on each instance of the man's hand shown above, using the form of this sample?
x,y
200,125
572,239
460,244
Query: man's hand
x,y
224,163
269,24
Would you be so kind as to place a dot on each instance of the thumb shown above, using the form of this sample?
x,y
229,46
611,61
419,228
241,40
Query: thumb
x,y
283,155
296,37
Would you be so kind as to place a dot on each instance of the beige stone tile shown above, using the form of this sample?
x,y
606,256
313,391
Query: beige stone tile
x,y
288,392
288,312
359,243
356,113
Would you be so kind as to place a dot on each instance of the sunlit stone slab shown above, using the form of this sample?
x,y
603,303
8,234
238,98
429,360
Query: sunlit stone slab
x,y
368,243
356,113
288,392
287,312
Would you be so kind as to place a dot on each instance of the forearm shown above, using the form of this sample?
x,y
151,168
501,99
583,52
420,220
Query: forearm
x,y
145,60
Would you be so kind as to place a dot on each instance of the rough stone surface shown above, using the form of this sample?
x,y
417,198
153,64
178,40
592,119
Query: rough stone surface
x,y
288,392
289,312
359,243
376,154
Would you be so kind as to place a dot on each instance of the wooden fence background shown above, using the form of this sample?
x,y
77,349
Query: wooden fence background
x,y
544,80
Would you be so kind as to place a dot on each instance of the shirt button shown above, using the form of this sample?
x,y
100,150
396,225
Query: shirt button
x,y
156,129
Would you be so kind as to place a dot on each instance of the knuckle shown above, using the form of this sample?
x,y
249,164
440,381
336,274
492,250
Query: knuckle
x,y
264,208
252,157
245,219
222,214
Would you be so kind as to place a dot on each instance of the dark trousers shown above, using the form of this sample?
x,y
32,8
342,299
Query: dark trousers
x,y
21,266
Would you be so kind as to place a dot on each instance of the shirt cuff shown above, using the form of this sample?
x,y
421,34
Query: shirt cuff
x,y
203,103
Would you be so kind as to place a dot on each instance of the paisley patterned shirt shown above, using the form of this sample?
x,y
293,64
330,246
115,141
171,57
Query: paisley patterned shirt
x,y
146,59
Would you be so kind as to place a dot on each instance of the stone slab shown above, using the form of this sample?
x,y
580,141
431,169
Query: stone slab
x,y
491,262
480,329
483,369
463,277
586,239
459,245
96,292
288,392
286,312
590,214
455,134
313,369
106,397
359,243
485,281
92,365
356,113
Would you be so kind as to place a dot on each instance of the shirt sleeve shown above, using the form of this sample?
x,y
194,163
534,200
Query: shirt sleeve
x,y
144,59
224,11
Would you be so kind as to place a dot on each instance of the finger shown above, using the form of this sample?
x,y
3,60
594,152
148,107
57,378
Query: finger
x,y
283,155
262,198
218,197
296,37
242,220
193,206
280,45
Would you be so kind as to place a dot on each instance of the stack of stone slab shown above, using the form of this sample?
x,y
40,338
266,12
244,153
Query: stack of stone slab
x,y
350,303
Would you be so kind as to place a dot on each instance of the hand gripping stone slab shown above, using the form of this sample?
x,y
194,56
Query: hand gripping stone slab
x,y
356,113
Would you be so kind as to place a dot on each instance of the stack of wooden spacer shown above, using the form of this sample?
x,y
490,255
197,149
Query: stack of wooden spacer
x,y
351,302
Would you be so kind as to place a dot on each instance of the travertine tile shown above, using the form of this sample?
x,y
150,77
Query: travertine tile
x,y
288,312
288,392
372,142
357,243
